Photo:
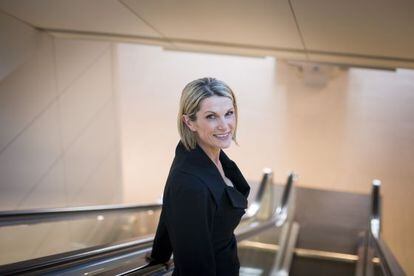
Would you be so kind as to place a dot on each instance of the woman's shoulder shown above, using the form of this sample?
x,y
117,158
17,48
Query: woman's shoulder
x,y
184,179
184,182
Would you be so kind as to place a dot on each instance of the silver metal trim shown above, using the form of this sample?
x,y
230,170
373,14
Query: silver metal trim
x,y
79,209
290,250
259,245
267,180
18,217
303,252
362,254
326,255
283,243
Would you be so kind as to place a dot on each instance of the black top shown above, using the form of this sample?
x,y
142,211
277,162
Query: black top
x,y
199,215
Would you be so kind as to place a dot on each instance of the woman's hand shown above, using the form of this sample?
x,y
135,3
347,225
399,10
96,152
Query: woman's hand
x,y
148,257
151,261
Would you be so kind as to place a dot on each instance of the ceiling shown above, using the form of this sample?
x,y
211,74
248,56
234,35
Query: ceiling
x,y
378,34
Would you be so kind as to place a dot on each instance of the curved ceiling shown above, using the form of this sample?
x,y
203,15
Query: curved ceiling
x,y
364,33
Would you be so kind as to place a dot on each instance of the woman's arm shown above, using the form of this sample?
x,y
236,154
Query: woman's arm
x,y
161,249
190,219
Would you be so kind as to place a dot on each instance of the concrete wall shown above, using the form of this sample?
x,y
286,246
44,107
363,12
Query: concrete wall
x,y
337,135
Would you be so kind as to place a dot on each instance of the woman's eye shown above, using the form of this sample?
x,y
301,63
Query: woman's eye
x,y
229,113
211,116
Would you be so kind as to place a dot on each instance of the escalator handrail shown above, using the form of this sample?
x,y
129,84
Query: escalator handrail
x,y
33,265
29,216
86,253
266,181
282,209
388,262
15,217
375,216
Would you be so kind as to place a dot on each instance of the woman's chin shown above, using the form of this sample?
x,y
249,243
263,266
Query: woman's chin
x,y
225,145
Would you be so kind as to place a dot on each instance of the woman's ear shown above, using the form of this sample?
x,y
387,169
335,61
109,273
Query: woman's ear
x,y
187,121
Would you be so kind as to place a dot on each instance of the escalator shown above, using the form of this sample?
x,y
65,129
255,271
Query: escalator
x,y
112,236
286,230
328,233
94,232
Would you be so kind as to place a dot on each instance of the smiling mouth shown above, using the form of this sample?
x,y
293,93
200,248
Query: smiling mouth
x,y
222,136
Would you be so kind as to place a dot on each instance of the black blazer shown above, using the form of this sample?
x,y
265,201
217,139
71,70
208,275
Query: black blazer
x,y
199,215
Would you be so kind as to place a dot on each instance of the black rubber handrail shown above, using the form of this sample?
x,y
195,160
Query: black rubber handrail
x,y
388,263
255,206
287,191
13,217
375,216
17,217
61,259
282,209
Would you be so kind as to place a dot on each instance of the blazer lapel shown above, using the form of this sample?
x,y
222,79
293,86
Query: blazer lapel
x,y
233,173
236,198
198,163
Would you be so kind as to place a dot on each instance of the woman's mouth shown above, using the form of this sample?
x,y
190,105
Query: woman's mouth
x,y
222,136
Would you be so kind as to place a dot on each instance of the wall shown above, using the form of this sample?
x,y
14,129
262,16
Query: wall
x,y
58,128
337,135
59,138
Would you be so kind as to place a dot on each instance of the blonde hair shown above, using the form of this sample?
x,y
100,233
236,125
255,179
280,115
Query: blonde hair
x,y
191,97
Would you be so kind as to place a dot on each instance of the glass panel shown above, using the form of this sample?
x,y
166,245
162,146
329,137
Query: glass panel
x,y
258,255
23,242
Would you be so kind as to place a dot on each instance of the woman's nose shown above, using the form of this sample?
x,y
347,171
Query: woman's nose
x,y
222,124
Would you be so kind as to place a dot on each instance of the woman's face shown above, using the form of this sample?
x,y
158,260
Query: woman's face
x,y
215,123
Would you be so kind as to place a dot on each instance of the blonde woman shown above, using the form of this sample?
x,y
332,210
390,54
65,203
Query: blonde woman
x,y
205,194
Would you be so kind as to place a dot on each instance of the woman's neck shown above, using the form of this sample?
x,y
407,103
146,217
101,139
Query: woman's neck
x,y
212,153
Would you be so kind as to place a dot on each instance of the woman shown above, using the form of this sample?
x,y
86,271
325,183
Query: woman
x,y
205,195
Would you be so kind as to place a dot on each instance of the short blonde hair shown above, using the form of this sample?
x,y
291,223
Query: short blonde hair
x,y
192,96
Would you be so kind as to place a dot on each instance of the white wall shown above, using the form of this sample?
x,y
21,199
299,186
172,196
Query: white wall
x,y
58,125
338,136
59,137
